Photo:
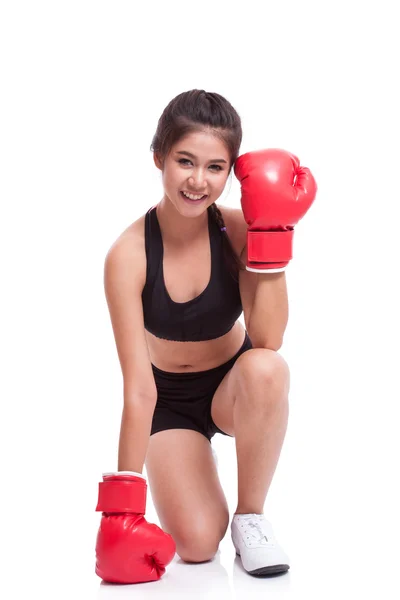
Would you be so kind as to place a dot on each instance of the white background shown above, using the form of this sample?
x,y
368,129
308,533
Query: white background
x,y
83,85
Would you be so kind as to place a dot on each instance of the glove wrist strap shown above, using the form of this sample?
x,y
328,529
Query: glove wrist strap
x,y
122,495
269,246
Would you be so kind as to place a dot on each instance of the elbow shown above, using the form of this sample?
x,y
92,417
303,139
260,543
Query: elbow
x,y
274,347
268,344
138,391
135,398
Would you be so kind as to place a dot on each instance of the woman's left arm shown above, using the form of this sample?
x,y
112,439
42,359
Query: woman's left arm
x,y
265,307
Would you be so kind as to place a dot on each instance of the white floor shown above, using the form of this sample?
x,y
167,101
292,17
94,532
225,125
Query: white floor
x,y
340,529
329,560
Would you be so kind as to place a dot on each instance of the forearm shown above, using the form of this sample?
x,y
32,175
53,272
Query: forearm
x,y
135,434
269,311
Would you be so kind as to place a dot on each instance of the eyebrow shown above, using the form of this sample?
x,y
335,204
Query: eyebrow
x,y
215,160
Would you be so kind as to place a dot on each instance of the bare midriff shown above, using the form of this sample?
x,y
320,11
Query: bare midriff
x,y
190,357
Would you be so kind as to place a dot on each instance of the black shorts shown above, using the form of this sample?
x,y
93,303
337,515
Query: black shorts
x,y
184,399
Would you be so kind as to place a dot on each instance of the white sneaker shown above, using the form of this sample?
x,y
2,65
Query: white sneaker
x,y
255,543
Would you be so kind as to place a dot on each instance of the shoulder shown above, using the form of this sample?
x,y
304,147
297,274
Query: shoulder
x,y
127,254
236,226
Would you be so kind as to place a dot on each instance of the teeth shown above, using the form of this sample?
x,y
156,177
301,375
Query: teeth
x,y
192,196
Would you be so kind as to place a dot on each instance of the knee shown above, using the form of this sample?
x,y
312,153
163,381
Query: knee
x,y
199,546
197,551
263,367
263,381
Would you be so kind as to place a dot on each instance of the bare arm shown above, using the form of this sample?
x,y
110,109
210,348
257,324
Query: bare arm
x,y
134,436
124,278
269,314
265,306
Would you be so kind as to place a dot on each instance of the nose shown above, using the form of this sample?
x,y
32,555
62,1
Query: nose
x,y
197,181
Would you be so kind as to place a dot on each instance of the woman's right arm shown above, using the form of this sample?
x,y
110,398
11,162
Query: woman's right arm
x,y
124,279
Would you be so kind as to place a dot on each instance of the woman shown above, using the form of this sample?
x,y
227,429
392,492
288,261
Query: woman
x,y
176,285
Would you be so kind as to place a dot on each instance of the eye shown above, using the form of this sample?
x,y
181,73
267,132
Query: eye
x,y
183,161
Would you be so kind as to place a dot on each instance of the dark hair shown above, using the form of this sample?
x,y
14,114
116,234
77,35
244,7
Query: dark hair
x,y
198,110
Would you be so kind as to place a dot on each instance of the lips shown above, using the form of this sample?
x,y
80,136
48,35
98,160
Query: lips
x,y
194,201
193,193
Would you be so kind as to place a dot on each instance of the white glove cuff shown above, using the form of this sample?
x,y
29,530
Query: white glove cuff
x,y
124,473
266,270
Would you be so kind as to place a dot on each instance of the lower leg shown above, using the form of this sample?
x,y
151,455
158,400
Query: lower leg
x,y
260,427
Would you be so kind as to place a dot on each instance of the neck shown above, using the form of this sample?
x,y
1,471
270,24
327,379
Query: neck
x,y
178,229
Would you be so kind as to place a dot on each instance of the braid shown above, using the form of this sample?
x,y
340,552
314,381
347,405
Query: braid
x,y
234,262
218,216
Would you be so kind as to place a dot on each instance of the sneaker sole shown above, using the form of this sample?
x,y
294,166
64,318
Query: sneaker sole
x,y
272,570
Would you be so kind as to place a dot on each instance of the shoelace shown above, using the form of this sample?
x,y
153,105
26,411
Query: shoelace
x,y
253,527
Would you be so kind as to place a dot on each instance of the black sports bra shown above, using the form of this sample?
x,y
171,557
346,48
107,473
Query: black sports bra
x,y
208,316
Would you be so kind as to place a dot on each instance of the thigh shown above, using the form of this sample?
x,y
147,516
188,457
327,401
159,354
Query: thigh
x,y
252,369
221,410
186,490
222,403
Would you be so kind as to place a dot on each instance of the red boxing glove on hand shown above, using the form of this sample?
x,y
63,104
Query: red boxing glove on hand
x,y
128,548
276,193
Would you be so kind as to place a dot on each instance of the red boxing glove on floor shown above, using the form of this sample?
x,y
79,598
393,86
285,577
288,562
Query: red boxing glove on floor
x,y
128,548
276,193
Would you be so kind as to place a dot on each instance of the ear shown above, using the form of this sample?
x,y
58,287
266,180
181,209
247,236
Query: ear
x,y
157,161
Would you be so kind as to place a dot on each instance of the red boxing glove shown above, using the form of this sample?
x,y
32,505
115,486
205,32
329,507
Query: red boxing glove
x,y
276,193
128,549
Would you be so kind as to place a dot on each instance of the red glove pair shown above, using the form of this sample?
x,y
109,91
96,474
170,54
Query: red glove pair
x,y
276,193
128,548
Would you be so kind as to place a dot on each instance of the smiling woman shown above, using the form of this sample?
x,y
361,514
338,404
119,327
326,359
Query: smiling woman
x,y
200,112
176,287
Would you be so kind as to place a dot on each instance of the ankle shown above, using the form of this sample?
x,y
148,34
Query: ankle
x,y
247,511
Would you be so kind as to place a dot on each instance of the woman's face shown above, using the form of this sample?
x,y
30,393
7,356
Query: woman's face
x,y
199,165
